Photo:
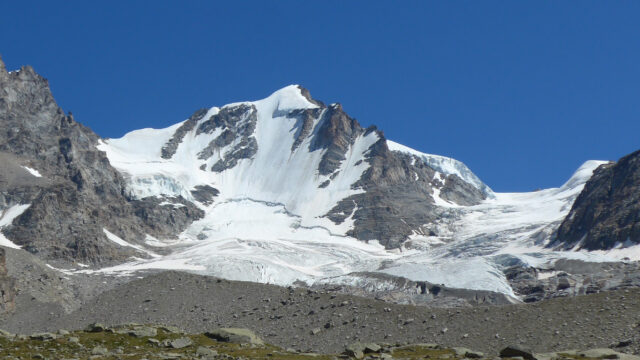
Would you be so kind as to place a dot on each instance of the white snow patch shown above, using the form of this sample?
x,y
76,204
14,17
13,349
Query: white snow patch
x,y
547,274
174,205
32,171
6,218
113,237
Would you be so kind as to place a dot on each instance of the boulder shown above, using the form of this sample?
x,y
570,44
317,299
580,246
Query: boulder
x,y
180,343
513,351
143,331
43,336
235,335
466,353
99,350
205,352
96,327
607,354
358,350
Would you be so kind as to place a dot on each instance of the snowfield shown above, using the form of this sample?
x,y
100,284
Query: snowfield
x,y
266,225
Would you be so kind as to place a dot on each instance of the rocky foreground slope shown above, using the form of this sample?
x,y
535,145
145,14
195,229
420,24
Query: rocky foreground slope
x,y
322,321
136,341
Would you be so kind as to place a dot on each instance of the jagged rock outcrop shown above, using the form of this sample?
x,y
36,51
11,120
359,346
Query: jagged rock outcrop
x,y
567,277
607,211
398,198
75,193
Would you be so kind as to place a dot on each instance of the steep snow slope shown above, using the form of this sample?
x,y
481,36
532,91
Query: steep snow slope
x,y
274,174
273,187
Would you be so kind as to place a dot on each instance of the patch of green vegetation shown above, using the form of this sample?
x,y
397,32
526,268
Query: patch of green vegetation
x,y
423,352
132,343
119,344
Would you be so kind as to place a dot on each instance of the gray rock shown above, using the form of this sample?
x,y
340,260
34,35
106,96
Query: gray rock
x,y
358,350
43,336
204,194
99,350
205,352
171,329
235,335
600,354
7,287
180,343
466,353
513,351
96,327
607,211
169,149
143,331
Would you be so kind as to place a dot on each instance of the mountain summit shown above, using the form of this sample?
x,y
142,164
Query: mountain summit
x,y
316,161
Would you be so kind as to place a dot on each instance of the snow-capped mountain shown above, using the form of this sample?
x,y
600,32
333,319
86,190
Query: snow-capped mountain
x,y
288,150
279,190
298,191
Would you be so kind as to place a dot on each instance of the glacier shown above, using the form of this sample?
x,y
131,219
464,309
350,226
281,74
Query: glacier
x,y
267,224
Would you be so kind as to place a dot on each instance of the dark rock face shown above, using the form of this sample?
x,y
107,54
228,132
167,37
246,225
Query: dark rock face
x,y
79,193
457,191
304,126
399,197
336,133
607,211
7,287
204,194
169,149
239,123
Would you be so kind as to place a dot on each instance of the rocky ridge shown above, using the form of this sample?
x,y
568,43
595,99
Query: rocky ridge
x,y
607,212
74,193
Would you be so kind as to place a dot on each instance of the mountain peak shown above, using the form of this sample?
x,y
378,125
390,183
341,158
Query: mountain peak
x,y
289,98
3,68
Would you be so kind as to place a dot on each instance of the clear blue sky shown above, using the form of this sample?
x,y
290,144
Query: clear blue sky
x,y
522,92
